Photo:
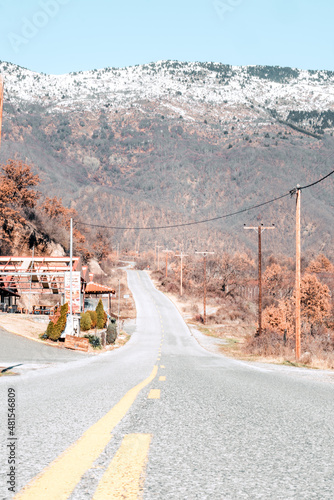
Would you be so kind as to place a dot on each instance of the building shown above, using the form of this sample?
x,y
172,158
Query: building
x,y
93,292
30,282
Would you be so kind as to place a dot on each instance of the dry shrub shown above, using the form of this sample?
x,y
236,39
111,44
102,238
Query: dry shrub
x,y
320,347
143,263
233,314
110,262
199,318
237,309
269,343
168,284
194,308
306,358
317,351
219,317
172,288
157,274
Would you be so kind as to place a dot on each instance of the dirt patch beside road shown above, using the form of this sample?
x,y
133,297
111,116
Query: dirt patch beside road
x,y
23,325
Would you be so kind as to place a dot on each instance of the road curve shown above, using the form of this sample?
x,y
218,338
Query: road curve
x,y
181,422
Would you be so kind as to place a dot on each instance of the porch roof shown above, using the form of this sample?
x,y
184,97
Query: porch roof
x,y
96,288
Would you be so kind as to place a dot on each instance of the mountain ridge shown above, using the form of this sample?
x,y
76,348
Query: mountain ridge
x,y
176,141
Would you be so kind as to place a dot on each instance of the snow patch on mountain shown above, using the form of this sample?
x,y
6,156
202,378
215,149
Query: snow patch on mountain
x,y
188,85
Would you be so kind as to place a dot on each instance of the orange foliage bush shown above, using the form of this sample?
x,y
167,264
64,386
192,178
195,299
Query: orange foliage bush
x,y
320,265
278,318
315,300
17,197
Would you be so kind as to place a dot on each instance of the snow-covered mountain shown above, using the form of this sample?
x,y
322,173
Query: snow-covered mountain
x,y
187,89
171,141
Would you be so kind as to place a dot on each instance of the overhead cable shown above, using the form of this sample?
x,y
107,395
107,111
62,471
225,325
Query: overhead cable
x,y
194,223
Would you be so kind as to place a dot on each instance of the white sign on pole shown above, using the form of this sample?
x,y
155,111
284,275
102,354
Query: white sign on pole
x,y
76,289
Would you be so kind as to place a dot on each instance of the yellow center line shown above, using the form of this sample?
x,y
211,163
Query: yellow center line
x,y
60,478
124,477
154,394
162,366
162,378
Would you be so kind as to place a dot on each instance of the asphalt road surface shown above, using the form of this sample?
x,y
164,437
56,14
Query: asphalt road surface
x,y
164,418
15,349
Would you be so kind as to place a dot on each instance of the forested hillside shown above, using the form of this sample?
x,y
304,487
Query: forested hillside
x,y
173,143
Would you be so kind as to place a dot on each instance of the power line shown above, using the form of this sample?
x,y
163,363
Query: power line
x,y
204,221
291,192
188,223
318,181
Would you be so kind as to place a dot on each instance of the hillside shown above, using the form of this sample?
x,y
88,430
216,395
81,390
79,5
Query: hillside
x,y
174,142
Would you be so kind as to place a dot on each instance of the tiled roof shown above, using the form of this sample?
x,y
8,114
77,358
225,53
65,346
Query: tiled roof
x,y
97,288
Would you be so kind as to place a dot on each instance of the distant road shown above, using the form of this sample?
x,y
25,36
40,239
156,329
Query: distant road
x,y
167,416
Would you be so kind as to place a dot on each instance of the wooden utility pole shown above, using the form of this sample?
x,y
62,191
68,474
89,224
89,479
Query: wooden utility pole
x,y
1,105
158,247
204,282
298,323
260,230
181,273
119,304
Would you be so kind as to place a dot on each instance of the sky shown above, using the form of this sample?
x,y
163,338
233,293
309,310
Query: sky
x,y
60,36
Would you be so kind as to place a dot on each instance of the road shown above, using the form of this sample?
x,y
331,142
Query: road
x,y
164,416
30,354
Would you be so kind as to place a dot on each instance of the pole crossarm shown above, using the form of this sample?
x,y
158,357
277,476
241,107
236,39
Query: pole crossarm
x,y
262,228
205,253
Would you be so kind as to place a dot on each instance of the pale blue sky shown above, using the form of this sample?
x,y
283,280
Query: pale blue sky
x,y
59,36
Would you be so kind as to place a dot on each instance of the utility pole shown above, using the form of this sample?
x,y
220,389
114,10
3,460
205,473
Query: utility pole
x,y
1,104
119,298
158,247
32,267
181,273
260,230
204,282
298,248
71,265
167,252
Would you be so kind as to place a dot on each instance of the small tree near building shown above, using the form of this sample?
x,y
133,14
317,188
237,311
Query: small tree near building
x,y
85,322
59,327
101,315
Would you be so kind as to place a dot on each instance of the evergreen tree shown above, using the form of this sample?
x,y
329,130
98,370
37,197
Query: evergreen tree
x,y
100,315
59,327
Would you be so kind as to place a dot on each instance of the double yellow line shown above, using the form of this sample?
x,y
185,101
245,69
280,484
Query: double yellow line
x,y
59,479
